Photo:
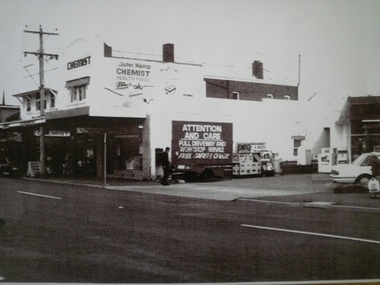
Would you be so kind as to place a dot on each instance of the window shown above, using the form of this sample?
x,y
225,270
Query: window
x,y
287,97
77,89
52,101
38,102
235,96
296,145
269,96
78,93
28,104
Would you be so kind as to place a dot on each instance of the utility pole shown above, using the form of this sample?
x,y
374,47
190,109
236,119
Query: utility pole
x,y
40,54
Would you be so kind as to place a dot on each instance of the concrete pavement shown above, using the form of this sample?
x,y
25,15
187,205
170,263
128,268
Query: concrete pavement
x,y
228,190
299,189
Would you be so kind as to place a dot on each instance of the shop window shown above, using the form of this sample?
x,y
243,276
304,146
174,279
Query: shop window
x,y
77,89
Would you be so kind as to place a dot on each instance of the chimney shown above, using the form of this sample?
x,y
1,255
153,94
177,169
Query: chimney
x,y
258,69
168,53
107,50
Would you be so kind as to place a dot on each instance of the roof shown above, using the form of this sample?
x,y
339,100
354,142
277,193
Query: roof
x,y
32,92
9,107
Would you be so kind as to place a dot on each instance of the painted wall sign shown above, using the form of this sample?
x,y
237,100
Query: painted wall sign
x,y
136,82
132,75
79,62
133,69
201,142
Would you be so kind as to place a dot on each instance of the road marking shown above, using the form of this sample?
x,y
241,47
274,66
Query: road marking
x,y
311,233
39,195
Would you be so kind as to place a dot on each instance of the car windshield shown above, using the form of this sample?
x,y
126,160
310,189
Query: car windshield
x,y
364,159
359,160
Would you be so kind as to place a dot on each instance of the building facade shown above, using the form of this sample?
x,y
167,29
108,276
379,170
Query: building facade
x,y
359,125
114,114
9,141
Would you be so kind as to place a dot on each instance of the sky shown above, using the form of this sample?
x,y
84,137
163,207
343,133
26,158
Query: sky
x,y
330,46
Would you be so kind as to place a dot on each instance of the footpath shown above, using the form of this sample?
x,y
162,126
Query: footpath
x,y
308,190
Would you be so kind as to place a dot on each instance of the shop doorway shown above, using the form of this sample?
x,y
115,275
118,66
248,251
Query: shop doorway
x,y
84,156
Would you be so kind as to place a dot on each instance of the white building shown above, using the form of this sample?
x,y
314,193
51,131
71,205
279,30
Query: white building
x,y
126,106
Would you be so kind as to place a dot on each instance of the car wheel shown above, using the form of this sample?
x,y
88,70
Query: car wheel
x,y
207,175
363,180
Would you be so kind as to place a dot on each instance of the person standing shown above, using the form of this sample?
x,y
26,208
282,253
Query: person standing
x,y
373,184
165,166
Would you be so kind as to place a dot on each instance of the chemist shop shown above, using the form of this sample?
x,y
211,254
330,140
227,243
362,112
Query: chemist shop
x,y
82,146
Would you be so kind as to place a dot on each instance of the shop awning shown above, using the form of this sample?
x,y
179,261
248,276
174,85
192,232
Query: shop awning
x,y
78,82
75,112
23,123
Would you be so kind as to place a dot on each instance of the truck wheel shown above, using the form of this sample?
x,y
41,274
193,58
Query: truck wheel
x,y
207,175
363,180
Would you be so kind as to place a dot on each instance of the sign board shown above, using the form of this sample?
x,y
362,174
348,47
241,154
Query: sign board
x,y
250,147
201,142
56,134
33,167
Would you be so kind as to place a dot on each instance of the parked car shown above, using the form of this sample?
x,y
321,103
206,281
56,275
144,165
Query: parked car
x,y
8,168
359,171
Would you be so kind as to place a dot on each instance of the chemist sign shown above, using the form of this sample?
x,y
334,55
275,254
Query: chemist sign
x,y
201,142
56,134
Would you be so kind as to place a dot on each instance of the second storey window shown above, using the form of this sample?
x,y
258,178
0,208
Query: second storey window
x,y
78,93
235,95
38,102
28,104
77,89
52,101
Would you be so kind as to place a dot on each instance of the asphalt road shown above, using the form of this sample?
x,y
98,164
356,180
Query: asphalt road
x,y
64,233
